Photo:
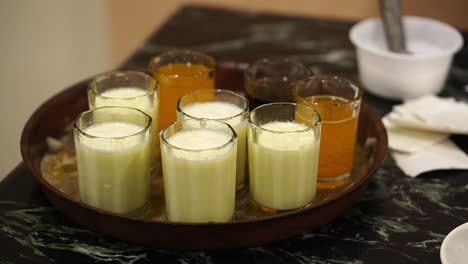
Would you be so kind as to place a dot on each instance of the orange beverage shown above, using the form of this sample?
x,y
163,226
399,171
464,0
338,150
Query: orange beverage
x,y
338,141
179,73
337,101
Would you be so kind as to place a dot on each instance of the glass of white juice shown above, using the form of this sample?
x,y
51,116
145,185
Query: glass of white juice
x,y
128,89
283,146
225,106
114,160
199,170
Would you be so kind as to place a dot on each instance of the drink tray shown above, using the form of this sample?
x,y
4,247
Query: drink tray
x,y
56,173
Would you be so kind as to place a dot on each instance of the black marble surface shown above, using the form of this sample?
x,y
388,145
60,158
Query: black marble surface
x,y
398,220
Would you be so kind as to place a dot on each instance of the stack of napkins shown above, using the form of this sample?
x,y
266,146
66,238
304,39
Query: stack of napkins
x,y
419,130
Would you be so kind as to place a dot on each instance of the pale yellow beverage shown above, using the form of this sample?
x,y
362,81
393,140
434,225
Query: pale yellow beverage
x,y
283,166
114,166
228,113
199,172
129,89
129,97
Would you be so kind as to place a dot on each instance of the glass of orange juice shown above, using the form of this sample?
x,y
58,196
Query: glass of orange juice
x,y
178,73
338,102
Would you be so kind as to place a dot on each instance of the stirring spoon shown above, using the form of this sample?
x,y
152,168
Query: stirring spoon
x,y
393,26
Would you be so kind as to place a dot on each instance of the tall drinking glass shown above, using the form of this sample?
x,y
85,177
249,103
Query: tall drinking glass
x,y
338,102
220,105
283,144
273,79
113,155
199,170
178,73
128,89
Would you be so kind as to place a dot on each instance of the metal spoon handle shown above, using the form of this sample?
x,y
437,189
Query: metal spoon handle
x,y
393,27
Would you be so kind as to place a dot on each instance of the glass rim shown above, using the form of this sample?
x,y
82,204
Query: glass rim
x,y
147,126
250,72
149,90
317,122
167,143
154,68
356,97
244,110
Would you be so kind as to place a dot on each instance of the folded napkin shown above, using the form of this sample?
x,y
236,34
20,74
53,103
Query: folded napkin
x,y
418,132
433,114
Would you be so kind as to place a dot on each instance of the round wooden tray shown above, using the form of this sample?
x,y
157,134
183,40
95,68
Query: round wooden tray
x,y
56,114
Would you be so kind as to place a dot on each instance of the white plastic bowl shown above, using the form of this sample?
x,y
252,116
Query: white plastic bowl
x,y
431,43
454,249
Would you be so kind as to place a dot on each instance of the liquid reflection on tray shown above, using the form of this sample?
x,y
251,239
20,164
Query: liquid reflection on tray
x,y
58,167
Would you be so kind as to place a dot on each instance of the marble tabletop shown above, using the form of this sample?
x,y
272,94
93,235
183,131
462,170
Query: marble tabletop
x,y
398,220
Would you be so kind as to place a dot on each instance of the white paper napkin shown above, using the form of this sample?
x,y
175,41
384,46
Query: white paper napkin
x,y
418,133
442,155
409,140
433,114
